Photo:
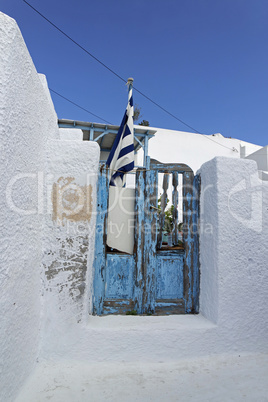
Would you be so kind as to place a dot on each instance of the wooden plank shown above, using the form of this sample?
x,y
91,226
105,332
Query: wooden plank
x,y
138,279
163,205
145,241
99,264
117,306
169,284
188,239
150,240
175,198
119,276
175,167
196,231
169,307
170,249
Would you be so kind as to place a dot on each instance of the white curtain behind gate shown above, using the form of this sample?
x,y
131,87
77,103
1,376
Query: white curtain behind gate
x,y
120,232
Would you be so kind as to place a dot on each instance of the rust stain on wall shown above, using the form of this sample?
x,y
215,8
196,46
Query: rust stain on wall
x,y
71,201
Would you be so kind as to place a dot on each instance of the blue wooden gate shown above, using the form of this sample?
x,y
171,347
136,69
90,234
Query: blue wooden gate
x,y
157,279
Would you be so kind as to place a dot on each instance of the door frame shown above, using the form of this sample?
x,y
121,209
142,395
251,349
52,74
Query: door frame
x,y
145,253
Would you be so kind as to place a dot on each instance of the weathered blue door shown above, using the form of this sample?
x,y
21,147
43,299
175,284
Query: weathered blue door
x,y
158,278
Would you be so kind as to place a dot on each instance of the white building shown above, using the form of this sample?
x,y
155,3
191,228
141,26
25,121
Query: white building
x,y
168,146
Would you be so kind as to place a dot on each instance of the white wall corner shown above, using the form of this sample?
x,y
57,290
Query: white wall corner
x,y
234,275
44,83
71,134
27,122
209,292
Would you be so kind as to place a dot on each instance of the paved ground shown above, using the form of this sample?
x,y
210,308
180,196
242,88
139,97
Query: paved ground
x,y
233,378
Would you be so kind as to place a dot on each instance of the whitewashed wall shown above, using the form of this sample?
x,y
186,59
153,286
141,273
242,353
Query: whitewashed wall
x,y
261,157
234,253
69,235
27,121
73,134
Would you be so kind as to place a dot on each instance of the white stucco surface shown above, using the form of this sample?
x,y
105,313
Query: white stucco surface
x,y
234,257
261,157
218,379
71,134
27,121
69,233
263,175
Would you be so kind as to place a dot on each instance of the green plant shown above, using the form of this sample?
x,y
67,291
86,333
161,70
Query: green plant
x,y
132,312
144,123
168,223
137,116
137,113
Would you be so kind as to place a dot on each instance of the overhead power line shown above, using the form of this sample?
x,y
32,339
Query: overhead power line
x,y
118,76
93,114
76,43
108,68
80,107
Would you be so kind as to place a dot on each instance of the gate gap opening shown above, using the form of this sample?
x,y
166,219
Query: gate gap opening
x,y
170,211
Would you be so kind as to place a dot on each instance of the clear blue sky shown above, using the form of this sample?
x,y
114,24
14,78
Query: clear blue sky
x,y
206,61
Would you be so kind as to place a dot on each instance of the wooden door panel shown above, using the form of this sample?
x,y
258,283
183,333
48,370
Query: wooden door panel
x,y
119,276
117,306
169,307
169,282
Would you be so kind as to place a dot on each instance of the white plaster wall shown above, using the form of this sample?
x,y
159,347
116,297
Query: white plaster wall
x,y
261,157
27,121
69,235
263,175
234,258
73,134
170,146
246,148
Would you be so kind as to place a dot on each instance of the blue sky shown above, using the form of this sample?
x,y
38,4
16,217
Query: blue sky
x,y
205,61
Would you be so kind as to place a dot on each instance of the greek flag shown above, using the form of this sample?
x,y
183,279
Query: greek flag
x,y
121,158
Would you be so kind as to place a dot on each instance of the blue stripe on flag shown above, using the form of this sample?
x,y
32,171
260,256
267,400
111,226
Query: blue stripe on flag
x,y
125,169
127,131
121,157
117,139
126,150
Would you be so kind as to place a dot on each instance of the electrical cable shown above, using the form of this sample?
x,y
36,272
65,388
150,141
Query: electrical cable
x,y
80,107
118,76
108,68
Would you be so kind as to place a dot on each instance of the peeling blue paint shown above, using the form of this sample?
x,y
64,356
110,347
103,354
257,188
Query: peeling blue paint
x,y
99,264
150,281
169,283
119,276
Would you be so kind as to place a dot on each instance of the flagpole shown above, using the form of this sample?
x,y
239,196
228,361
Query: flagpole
x,y
130,83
